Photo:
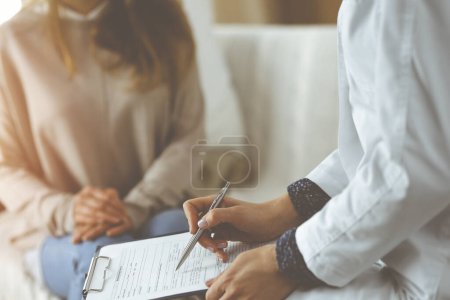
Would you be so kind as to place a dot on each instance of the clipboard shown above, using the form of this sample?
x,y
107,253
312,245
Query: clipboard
x,y
92,268
146,269
101,263
90,274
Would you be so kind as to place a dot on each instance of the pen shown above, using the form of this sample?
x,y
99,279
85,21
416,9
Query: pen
x,y
194,239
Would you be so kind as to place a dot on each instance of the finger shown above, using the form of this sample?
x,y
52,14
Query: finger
x,y
76,238
103,196
228,296
210,282
114,198
107,197
86,190
119,229
224,232
83,219
212,245
221,244
78,233
191,216
99,193
112,193
192,208
222,255
93,219
219,216
208,243
228,233
216,289
202,204
106,217
88,217
102,205
112,215
93,216
95,232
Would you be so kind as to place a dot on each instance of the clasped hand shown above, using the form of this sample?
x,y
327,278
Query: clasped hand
x,y
98,212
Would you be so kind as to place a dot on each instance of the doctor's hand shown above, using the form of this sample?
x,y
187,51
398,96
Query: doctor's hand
x,y
98,212
237,220
253,275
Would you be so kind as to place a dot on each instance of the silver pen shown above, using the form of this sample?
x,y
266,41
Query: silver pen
x,y
194,239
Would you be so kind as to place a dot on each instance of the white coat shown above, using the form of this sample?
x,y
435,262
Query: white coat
x,y
390,176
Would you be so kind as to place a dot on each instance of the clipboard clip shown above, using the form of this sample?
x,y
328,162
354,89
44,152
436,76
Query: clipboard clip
x,y
90,275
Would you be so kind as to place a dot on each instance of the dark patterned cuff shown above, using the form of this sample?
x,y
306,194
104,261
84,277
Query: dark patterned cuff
x,y
307,197
292,264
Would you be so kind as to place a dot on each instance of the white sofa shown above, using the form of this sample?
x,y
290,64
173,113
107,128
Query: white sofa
x,y
286,82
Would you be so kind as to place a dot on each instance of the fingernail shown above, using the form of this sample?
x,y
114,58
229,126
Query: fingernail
x,y
222,245
211,249
202,223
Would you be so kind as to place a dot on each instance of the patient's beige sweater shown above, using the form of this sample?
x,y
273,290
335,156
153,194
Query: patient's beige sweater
x,y
59,134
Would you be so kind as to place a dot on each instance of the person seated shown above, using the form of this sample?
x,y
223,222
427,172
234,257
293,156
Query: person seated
x,y
99,106
372,220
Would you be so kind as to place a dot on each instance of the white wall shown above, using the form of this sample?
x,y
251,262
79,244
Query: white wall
x,y
9,8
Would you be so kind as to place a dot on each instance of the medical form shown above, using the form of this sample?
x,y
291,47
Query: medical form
x,y
146,269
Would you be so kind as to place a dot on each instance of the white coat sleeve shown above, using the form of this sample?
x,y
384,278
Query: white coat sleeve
x,y
403,181
330,174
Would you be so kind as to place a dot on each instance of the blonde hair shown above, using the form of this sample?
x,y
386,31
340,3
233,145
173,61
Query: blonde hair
x,y
153,37
58,37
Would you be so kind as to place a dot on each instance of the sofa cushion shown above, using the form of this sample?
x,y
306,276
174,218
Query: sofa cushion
x,y
221,102
15,282
286,79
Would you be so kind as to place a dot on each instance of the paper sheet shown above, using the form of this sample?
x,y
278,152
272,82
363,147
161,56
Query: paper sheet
x,y
146,269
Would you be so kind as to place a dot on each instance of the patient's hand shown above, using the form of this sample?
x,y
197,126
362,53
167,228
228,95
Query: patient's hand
x,y
98,212
97,206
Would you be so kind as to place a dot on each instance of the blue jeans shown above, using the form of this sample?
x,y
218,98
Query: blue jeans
x,y
64,264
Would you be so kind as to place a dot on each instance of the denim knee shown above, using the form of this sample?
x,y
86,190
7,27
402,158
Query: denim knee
x,y
63,262
87,249
167,222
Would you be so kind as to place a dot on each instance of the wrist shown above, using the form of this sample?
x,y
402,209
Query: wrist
x,y
137,215
307,198
69,220
291,262
283,214
270,257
